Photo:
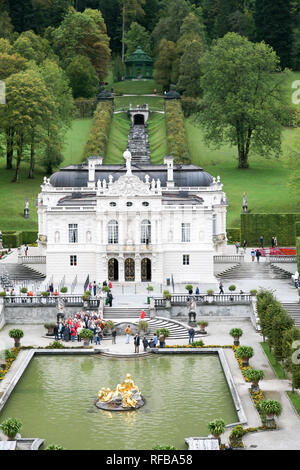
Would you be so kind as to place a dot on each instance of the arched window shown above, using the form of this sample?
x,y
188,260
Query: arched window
x,y
146,232
113,232
214,223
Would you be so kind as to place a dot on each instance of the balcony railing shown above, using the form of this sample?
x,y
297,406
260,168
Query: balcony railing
x,y
228,258
33,259
70,300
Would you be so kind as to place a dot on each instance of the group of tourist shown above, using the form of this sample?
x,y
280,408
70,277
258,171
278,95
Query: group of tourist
x,y
70,328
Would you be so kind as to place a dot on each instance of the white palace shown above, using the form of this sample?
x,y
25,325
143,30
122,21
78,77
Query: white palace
x,y
131,222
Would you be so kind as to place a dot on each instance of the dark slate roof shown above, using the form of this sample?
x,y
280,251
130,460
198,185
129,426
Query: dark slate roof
x,y
138,56
76,176
182,197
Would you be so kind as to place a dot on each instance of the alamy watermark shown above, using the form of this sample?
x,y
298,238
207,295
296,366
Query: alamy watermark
x,y
2,93
296,94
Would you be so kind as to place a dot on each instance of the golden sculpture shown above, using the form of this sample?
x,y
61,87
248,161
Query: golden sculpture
x,y
126,395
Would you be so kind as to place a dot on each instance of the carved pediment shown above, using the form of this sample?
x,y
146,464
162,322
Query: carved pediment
x,y
128,185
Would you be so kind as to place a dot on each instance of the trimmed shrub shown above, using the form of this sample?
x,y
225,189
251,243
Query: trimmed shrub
x,y
176,135
280,225
85,107
99,133
15,238
233,235
189,106
11,427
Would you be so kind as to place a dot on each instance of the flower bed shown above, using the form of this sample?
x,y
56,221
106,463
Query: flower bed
x,y
9,362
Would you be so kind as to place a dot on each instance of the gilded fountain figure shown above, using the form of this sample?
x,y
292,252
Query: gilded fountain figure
x,y
125,396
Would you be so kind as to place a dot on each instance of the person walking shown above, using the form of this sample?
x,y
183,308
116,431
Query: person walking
x,y
136,343
244,246
26,250
98,336
221,291
142,315
272,242
258,255
261,241
51,288
128,333
253,254
90,287
275,241
237,246
95,288
110,285
191,335
113,335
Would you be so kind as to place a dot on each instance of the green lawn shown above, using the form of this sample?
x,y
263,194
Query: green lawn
x,y
12,195
157,137
154,102
137,87
295,399
276,366
118,139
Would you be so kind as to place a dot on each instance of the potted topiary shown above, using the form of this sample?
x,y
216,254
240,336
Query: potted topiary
x,y
11,427
149,289
232,288
216,428
2,293
189,288
167,295
64,290
244,353
86,297
203,324
210,293
164,331
23,290
236,333
86,335
270,409
16,334
108,326
253,292
254,375
235,437
50,327
143,327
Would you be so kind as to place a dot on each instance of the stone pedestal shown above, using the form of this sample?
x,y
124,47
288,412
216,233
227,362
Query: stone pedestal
x,y
26,213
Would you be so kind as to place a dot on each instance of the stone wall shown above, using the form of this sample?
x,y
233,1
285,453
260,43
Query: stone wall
x,y
31,314
205,311
2,320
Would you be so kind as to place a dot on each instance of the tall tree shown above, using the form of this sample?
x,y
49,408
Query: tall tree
x,y
28,105
273,22
190,70
138,36
171,18
83,34
6,27
164,72
83,77
242,97
131,9
33,47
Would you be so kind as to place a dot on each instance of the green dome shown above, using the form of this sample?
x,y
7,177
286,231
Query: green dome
x,y
139,56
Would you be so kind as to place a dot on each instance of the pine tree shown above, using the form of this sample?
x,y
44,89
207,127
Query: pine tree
x,y
273,20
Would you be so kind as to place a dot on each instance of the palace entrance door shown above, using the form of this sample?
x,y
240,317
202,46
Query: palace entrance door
x,y
146,269
113,269
129,269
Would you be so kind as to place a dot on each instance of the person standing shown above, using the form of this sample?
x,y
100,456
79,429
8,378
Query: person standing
x,y
26,250
128,333
154,341
110,298
145,343
136,343
275,241
221,291
272,242
55,331
261,241
162,340
244,246
142,315
258,255
237,246
113,335
191,335
253,254
95,288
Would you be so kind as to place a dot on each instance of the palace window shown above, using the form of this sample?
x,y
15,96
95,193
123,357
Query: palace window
x,y
185,232
113,204
73,233
73,260
146,232
113,232
185,260
145,203
129,204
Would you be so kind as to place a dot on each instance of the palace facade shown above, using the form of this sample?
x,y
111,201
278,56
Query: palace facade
x,y
131,222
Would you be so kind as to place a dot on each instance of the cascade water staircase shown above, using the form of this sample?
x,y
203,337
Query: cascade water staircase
x,y
293,309
262,270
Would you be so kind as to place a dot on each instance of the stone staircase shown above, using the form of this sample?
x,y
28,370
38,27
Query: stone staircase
x,y
293,308
19,272
121,313
254,270
177,331
138,144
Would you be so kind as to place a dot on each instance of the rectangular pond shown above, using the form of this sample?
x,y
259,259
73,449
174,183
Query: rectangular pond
x,y
55,400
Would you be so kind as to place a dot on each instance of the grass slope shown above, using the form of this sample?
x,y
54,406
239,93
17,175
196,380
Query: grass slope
x,y
157,138
12,195
154,102
137,87
118,139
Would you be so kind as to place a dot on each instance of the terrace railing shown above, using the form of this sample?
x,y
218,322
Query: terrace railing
x,y
228,258
33,259
283,259
69,300
220,299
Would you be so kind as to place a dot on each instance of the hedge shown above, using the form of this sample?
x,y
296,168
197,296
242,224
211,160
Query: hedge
x,y
281,226
233,235
13,239
176,135
99,133
85,107
297,229
298,252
